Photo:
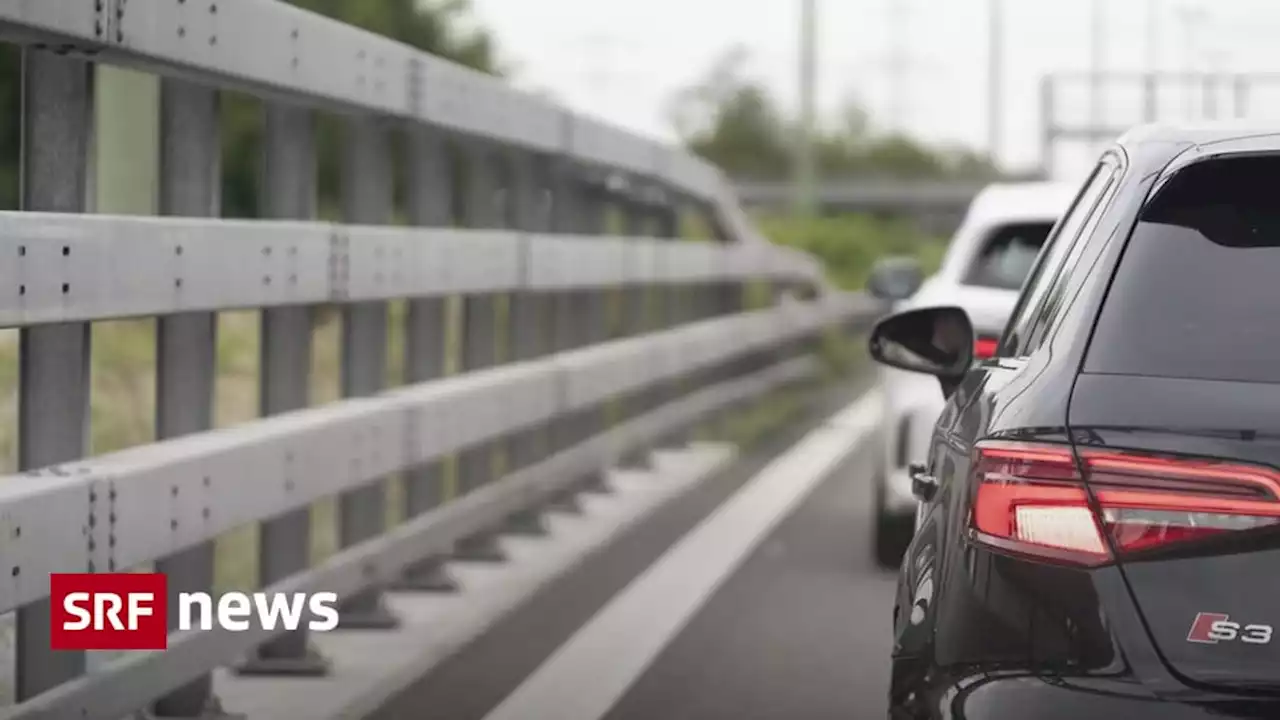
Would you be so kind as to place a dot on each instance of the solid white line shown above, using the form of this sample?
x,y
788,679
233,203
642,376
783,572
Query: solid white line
x,y
587,675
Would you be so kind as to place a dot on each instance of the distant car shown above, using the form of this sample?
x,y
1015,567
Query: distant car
x,y
985,265
1100,524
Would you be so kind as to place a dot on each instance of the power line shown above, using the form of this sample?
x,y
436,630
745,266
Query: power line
x,y
899,21
1153,36
1097,63
805,172
995,84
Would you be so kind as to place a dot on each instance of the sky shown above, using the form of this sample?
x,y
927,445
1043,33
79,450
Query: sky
x,y
623,60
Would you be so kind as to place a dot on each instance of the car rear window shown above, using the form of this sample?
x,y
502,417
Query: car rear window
x,y
1007,254
1197,293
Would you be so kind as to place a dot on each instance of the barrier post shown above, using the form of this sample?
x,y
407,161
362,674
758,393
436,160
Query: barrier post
x,y
53,397
186,343
366,200
429,203
289,192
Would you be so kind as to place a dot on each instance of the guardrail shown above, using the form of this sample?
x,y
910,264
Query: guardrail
x,y
531,267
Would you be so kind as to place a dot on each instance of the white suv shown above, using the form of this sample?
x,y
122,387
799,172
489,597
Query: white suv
x,y
984,268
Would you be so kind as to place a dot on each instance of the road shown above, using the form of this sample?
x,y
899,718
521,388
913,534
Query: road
x,y
754,597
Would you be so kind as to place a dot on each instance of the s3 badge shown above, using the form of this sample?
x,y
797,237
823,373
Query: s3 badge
x,y
1213,628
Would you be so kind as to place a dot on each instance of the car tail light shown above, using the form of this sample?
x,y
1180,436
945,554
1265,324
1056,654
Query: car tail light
x,y
1032,498
985,347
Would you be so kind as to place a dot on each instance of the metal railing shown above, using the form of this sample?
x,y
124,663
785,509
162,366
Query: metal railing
x,y
532,263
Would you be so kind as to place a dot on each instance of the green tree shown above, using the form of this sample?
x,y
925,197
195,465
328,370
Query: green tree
x,y
429,26
746,136
730,119
434,26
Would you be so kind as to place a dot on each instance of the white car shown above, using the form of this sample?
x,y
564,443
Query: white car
x,y
987,261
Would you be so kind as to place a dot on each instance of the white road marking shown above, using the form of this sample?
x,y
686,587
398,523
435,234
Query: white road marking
x,y
591,671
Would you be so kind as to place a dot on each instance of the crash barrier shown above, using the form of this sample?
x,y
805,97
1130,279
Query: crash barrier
x,y
123,509
577,344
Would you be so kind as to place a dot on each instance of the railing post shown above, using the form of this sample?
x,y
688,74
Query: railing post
x,y
594,314
635,219
289,192
366,200
671,307
726,297
53,397
636,305
544,193
678,309
529,337
565,200
481,209
186,344
659,297
430,204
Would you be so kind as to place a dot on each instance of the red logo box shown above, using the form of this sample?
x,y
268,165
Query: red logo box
x,y
108,611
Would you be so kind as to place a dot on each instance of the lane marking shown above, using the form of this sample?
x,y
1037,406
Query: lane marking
x,y
590,672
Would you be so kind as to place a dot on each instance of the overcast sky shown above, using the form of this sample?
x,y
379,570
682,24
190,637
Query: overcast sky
x,y
623,59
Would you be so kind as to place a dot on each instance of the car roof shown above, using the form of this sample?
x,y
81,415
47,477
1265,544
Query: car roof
x,y
1010,202
1198,133
1003,204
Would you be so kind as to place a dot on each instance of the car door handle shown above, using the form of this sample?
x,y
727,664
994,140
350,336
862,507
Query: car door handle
x,y
923,485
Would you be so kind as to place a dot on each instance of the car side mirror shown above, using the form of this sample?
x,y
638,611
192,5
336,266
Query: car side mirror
x,y
895,278
935,341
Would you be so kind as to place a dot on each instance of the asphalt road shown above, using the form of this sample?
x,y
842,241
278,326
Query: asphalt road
x,y
799,629
802,630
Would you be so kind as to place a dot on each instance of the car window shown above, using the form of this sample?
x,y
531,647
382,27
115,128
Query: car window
x,y
1007,255
1046,319
1015,341
1194,295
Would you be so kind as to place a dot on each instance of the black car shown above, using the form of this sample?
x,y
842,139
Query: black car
x,y
1100,524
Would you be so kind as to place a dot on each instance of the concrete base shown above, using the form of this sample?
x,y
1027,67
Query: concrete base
x,y
598,484
568,503
368,616
640,460
212,711
312,664
531,523
431,576
480,548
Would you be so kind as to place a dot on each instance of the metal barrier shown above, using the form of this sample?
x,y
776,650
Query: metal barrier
x,y
534,195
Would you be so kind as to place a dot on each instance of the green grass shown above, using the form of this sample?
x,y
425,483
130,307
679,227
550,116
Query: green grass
x,y
848,245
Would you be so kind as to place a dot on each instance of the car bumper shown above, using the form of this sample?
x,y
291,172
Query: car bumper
x,y
1017,697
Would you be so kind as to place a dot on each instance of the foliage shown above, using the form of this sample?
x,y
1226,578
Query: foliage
x,y
841,356
847,245
431,26
732,120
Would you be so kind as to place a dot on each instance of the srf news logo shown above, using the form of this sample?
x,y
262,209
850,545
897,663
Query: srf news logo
x,y
130,611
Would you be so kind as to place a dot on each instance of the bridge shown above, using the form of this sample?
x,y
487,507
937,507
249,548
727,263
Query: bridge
x,y
934,206
553,514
